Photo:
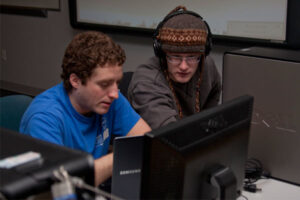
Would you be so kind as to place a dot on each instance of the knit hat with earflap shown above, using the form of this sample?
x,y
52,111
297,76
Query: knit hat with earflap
x,y
183,33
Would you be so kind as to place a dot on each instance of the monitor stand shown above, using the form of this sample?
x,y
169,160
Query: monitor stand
x,y
224,180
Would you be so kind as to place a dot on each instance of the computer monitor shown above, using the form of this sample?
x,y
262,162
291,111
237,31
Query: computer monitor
x,y
199,157
37,176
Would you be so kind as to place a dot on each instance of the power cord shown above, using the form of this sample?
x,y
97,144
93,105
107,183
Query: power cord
x,y
251,187
66,185
253,172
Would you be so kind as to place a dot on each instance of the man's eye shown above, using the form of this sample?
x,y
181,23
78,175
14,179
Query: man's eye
x,y
176,58
104,84
192,58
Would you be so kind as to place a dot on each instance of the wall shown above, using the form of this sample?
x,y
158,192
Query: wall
x,y
32,49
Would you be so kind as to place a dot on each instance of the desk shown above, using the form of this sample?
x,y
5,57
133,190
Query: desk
x,y
273,190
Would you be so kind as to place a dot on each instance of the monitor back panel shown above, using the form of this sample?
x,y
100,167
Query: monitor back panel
x,y
275,85
127,167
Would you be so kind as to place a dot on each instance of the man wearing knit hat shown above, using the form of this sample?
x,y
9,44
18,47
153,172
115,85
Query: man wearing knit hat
x,y
182,78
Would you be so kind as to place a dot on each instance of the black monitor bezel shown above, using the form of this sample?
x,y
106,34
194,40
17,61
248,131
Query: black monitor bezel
x,y
157,136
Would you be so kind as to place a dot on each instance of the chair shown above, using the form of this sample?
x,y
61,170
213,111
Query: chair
x,y
123,86
12,108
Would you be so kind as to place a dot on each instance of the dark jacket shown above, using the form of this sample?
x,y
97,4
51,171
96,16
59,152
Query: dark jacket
x,y
151,96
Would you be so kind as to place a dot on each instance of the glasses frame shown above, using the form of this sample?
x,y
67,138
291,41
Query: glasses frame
x,y
177,60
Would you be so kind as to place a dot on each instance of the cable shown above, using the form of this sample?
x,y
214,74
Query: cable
x,y
62,175
78,182
251,188
244,197
2,197
253,172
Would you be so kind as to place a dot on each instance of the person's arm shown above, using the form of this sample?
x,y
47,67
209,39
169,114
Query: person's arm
x,y
103,168
150,95
140,128
104,165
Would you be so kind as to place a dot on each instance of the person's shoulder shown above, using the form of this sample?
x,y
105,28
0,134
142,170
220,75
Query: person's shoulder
x,y
149,71
211,72
152,64
45,110
209,61
210,66
51,92
50,101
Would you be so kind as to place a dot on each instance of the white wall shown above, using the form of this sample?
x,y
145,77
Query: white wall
x,y
34,48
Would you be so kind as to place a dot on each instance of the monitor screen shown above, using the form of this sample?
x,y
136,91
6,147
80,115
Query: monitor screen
x,y
36,176
200,157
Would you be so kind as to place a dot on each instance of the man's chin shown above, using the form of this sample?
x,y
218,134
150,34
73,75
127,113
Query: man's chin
x,y
102,111
180,79
183,80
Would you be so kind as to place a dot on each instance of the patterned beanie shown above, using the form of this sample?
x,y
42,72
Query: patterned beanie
x,y
183,33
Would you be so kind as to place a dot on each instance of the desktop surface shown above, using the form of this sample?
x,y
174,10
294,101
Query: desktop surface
x,y
272,189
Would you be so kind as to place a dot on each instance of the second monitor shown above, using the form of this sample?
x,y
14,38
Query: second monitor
x,y
200,157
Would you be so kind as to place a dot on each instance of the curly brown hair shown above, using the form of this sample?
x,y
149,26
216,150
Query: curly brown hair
x,y
87,51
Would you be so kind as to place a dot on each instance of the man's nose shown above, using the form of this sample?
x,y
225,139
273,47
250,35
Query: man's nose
x,y
114,92
183,65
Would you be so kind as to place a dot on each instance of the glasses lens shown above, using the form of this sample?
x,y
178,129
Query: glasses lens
x,y
176,60
192,59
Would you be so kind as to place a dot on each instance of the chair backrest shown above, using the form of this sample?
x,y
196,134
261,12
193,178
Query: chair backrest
x,y
12,108
123,86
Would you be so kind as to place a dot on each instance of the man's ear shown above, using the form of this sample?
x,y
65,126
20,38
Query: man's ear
x,y
75,80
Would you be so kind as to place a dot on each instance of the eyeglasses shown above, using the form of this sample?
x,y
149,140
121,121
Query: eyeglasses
x,y
176,60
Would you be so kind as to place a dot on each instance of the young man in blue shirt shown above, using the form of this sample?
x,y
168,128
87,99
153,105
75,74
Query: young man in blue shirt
x,y
86,109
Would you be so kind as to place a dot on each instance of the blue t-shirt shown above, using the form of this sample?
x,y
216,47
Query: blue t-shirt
x,y
51,117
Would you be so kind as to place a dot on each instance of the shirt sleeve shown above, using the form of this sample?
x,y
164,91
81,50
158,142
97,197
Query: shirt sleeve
x,y
44,127
125,117
152,100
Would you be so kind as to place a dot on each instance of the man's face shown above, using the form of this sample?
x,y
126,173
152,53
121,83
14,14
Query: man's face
x,y
182,66
100,90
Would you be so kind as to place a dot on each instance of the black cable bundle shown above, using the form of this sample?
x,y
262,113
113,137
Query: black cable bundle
x,y
253,172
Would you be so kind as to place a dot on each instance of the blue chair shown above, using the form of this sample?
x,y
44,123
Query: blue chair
x,y
12,108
